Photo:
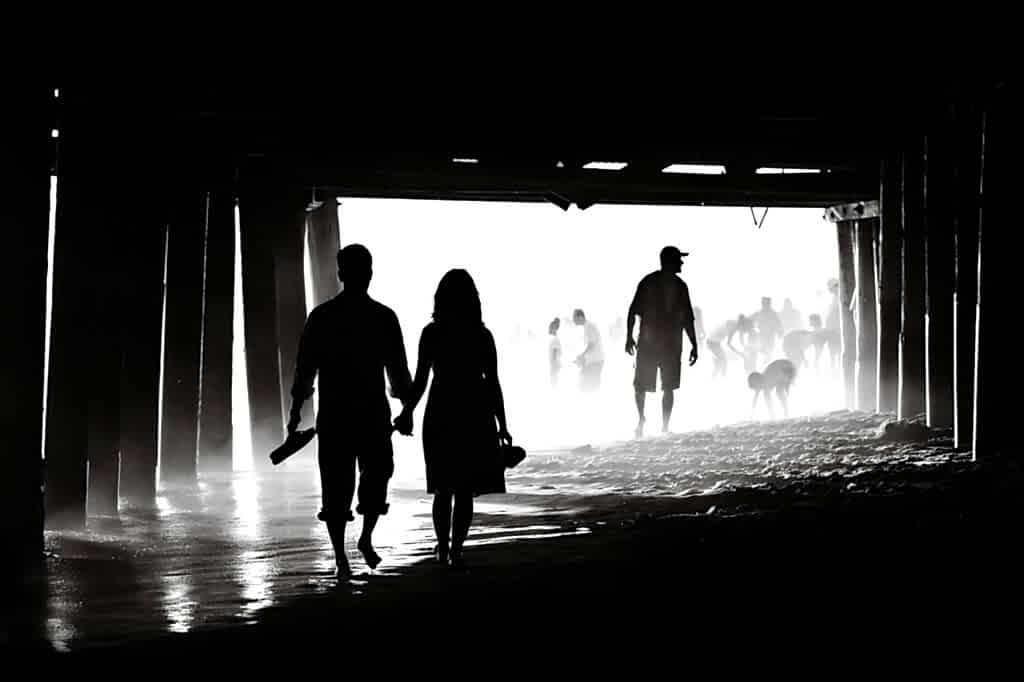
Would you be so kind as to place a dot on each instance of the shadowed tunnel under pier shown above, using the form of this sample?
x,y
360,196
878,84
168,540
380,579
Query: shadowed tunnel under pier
x,y
96,452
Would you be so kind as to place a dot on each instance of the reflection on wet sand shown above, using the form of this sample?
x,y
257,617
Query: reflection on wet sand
x,y
239,546
217,554
64,601
178,606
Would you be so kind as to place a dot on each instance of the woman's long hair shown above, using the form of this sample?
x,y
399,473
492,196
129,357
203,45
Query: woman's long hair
x,y
457,301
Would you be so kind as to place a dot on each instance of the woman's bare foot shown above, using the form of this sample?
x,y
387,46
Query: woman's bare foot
x,y
371,557
343,571
441,554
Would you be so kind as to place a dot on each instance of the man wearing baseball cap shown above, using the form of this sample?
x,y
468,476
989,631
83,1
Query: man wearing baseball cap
x,y
662,301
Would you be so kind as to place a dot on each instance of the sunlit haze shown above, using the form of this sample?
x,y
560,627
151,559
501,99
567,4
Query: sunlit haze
x,y
533,262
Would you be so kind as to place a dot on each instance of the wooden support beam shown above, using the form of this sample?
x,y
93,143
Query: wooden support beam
x,y
324,242
912,341
67,392
106,327
290,296
106,330
140,406
939,273
88,324
463,181
183,336
25,153
846,232
257,207
215,433
867,316
324,239
967,216
995,382
890,286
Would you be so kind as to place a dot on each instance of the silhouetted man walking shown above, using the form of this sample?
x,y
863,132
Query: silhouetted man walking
x,y
348,344
662,301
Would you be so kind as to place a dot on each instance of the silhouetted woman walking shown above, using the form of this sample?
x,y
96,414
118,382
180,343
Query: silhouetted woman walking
x,y
464,422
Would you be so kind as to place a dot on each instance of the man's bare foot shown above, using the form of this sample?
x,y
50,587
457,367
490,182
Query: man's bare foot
x,y
371,557
639,433
343,570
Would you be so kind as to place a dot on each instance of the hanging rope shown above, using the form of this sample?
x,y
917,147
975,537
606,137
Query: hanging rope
x,y
753,215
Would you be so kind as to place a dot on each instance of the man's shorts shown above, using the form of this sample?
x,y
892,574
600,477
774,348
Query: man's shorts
x,y
650,359
340,454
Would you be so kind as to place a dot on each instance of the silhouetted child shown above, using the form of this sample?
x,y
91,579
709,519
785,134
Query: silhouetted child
x,y
724,334
778,376
796,343
832,334
554,351
591,360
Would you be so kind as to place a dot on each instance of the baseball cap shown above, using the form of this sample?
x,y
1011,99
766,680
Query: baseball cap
x,y
672,253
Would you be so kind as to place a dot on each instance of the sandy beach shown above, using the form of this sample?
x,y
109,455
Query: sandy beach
x,y
822,515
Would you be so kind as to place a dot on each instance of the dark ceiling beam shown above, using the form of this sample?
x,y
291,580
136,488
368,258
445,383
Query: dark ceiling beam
x,y
600,186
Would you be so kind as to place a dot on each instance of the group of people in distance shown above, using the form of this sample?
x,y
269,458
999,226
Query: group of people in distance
x,y
590,360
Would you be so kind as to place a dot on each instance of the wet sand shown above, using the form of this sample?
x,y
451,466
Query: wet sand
x,y
740,528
